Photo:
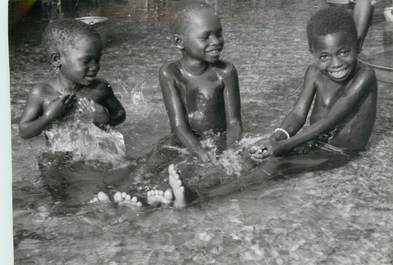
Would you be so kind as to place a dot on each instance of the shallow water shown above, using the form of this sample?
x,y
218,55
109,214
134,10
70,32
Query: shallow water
x,y
340,216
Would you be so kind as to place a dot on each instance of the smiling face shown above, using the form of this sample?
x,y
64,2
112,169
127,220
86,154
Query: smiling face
x,y
335,55
80,62
202,37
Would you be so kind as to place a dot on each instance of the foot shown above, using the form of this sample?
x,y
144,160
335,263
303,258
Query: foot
x,y
123,198
157,197
177,187
101,197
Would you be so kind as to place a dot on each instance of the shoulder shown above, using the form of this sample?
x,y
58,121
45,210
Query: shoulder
x,y
312,71
169,70
41,90
364,78
102,85
312,75
227,68
365,72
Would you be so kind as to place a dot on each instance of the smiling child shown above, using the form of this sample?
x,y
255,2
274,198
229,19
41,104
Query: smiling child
x,y
343,90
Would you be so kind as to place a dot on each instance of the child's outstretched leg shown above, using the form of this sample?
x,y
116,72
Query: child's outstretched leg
x,y
156,197
177,187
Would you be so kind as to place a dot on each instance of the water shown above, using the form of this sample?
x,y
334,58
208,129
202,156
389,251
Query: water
x,y
337,216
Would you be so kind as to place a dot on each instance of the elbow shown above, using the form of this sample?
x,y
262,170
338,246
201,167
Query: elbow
x,y
120,117
24,133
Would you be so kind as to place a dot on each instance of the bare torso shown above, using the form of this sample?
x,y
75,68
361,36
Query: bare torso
x,y
202,98
355,130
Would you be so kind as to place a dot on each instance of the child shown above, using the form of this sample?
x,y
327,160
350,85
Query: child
x,y
201,91
343,93
201,95
343,90
67,107
74,50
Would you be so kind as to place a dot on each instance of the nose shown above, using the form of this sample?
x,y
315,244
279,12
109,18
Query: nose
x,y
94,66
215,40
336,62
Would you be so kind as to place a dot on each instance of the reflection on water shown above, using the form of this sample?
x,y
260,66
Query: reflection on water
x,y
337,216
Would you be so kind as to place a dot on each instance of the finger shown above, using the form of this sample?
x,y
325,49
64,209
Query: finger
x,y
81,107
82,101
83,104
92,106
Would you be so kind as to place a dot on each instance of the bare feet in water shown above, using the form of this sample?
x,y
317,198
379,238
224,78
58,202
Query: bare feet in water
x,y
157,197
177,187
123,198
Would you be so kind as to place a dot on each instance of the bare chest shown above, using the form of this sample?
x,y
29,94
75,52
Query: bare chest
x,y
199,92
328,93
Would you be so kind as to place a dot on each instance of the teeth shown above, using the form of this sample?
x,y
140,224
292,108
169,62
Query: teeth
x,y
213,52
338,74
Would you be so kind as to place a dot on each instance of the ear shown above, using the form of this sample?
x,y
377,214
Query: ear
x,y
55,59
178,39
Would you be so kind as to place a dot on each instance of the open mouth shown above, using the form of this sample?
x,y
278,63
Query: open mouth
x,y
214,52
90,77
339,74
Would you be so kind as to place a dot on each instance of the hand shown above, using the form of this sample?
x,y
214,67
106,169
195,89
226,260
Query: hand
x,y
95,112
260,152
205,156
59,107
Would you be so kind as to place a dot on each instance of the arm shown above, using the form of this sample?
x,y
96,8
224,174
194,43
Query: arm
x,y
32,123
232,105
295,120
362,14
33,120
116,111
176,114
338,112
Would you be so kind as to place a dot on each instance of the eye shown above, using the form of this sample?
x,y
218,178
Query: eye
x,y
85,60
344,52
324,57
204,36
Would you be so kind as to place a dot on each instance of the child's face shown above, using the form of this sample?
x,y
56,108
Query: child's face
x,y
203,38
335,55
80,63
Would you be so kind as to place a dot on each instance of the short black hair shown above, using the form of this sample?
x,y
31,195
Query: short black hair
x,y
183,14
62,33
330,20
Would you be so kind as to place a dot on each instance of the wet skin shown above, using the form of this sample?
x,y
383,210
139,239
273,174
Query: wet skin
x,y
201,92
344,94
76,83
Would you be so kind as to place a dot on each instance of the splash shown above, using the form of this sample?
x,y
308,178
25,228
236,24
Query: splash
x,y
87,142
231,159
136,102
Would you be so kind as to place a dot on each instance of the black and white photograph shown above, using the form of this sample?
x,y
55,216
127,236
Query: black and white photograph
x,y
201,132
